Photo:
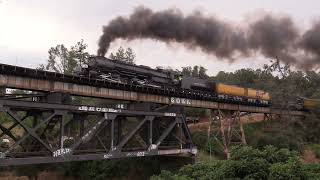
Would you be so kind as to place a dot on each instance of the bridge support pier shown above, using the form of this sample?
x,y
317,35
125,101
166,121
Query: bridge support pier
x,y
227,129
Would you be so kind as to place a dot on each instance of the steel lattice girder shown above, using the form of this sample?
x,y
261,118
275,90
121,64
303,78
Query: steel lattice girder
x,y
47,147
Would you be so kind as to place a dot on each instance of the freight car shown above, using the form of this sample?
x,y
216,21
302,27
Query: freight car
x,y
310,103
228,92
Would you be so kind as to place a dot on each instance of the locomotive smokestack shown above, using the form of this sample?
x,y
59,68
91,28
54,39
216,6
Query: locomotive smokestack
x,y
273,37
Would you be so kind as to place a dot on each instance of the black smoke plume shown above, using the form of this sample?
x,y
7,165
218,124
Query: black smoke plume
x,y
273,37
310,43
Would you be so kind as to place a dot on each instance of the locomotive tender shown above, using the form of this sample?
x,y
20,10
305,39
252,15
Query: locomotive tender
x,y
122,72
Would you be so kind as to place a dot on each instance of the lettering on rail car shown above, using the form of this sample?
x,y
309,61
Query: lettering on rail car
x,y
183,101
61,152
98,109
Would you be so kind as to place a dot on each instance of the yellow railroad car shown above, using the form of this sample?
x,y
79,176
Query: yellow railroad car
x,y
311,103
230,90
242,92
257,94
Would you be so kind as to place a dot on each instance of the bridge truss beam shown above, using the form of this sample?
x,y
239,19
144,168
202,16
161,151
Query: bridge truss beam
x,y
47,133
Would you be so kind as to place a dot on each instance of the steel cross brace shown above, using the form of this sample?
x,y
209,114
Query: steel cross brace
x,y
166,132
123,142
7,131
90,133
31,132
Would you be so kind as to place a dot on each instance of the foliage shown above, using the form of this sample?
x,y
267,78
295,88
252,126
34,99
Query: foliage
x,y
127,55
166,175
195,112
258,137
249,163
288,170
64,60
312,126
201,140
195,71
4,118
313,170
28,170
142,167
316,149
280,140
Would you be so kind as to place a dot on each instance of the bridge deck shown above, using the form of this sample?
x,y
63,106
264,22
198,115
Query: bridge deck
x,y
46,85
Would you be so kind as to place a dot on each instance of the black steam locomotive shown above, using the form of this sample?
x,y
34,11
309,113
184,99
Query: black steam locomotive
x,y
122,72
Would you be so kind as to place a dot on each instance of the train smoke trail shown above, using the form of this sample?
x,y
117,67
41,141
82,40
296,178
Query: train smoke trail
x,y
310,43
273,37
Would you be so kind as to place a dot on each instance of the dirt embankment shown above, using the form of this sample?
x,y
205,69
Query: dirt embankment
x,y
309,157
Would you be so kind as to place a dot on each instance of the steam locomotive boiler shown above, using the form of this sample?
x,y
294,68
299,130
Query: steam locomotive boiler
x,y
122,72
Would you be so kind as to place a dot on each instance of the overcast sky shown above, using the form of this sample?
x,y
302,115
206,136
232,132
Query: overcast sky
x,y
30,27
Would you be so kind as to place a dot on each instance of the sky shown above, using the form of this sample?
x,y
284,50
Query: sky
x,y
30,27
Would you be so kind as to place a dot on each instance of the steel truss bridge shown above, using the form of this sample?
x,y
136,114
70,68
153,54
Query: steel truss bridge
x,y
141,121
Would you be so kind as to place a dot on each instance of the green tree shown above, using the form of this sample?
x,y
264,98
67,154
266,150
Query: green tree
x,y
127,55
203,73
195,71
186,71
248,163
64,60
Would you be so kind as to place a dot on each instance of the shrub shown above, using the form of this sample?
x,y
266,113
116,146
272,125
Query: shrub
x,y
201,170
249,163
289,170
143,167
313,171
166,175
275,155
278,140
200,139
245,153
